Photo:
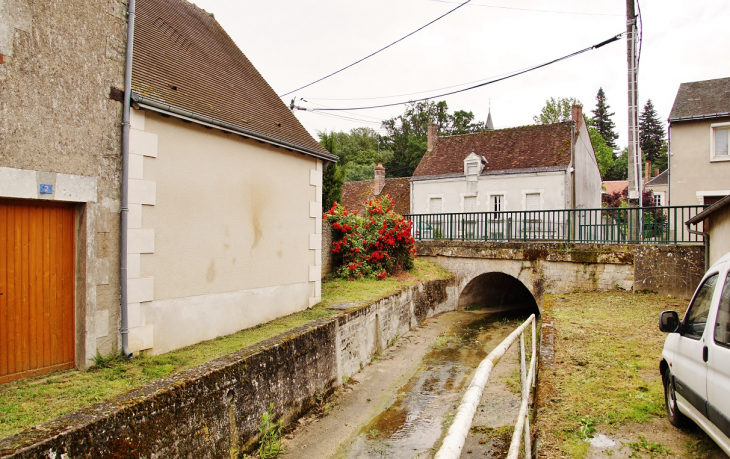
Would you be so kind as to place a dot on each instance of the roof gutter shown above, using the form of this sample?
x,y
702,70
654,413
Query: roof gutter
x,y
146,102
699,117
124,213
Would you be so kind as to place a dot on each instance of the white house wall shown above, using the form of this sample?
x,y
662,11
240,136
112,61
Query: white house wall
x,y
224,232
514,187
587,173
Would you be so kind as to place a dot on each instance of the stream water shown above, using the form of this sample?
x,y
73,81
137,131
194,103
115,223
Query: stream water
x,y
413,425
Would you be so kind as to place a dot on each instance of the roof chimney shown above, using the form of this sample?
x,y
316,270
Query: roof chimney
x,y
379,180
432,136
576,113
647,174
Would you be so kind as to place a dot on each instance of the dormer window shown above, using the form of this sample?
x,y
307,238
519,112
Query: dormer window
x,y
473,165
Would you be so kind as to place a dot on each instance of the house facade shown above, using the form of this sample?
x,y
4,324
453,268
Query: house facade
x,y
699,130
60,70
225,187
527,168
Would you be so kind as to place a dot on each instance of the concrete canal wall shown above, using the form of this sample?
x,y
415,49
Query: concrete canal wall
x,y
210,410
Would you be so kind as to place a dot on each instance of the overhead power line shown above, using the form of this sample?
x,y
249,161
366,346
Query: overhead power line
x,y
309,99
376,52
532,9
529,69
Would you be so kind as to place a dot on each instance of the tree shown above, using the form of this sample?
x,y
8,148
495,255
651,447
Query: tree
x,y
406,135
602,120
651,132
604,153
332,178
556,110
620,169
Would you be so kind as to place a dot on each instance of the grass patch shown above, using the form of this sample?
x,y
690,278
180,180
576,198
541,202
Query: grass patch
x,y
605,369
36,400
335,290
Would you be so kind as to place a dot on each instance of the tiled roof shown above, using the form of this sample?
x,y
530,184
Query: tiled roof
x,y
526,147
702,99
613,186
355,194
183,58
661,179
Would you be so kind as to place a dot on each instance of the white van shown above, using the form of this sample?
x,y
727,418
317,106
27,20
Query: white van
x,y
695,364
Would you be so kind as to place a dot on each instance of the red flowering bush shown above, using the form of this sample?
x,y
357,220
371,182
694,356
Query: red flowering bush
x,y
376,244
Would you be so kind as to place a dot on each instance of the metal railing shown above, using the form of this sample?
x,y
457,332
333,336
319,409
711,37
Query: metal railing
x,y
454,441
619,225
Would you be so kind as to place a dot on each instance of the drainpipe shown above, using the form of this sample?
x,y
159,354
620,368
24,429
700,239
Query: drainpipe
x,y
124,214
706,240
572,164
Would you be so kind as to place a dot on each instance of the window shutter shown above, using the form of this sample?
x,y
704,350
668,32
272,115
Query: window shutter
x,y
470,204
435,205
532,201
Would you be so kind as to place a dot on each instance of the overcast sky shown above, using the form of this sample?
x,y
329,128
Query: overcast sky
x,y
294,42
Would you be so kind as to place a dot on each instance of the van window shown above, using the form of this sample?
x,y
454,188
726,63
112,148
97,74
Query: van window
x,y
722,325
696,318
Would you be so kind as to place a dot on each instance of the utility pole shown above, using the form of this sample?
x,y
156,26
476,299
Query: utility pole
x,y
633,67
636,218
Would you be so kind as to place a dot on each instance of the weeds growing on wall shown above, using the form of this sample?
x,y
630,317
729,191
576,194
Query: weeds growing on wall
x,y
376,244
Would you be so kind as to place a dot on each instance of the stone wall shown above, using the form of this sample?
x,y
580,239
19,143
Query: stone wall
x,y
58,61
207,411
565,268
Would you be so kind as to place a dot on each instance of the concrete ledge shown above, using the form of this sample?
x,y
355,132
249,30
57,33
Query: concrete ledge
x,y
208,410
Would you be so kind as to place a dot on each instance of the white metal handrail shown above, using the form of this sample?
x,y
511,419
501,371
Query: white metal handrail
x,y
456,436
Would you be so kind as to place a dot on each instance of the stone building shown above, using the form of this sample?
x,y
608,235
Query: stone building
x,y
59,183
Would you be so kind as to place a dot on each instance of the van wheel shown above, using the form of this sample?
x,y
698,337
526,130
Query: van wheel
x,y
676,418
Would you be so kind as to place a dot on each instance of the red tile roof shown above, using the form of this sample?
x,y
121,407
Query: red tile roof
x,y
355,194
545,146
613,186
183,58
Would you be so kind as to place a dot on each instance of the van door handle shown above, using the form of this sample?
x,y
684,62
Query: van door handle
x,y
705,354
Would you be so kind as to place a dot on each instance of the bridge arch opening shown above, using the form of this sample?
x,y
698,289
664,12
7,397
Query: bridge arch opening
x,y
497,291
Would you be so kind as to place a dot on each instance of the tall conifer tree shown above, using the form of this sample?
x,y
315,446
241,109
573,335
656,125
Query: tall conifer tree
x,y
602,120
651,132
333,177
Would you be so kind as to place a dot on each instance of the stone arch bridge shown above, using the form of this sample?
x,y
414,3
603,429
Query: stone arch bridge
x,y
510,275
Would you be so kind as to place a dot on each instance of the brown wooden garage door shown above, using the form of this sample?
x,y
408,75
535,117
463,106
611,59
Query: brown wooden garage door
x,y
36,288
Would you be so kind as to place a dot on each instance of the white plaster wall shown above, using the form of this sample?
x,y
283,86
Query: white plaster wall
x,y
587,173
692,173
227,237
513,187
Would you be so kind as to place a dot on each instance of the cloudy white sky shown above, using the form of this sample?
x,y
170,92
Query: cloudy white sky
x,y
293,42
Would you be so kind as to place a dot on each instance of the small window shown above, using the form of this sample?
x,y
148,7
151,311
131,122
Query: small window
x,y
472,169
658,200
435,205
721,142
532,201
470,204
497,202
695,320
722,325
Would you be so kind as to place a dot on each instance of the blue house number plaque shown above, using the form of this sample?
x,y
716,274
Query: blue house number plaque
x,y
46,189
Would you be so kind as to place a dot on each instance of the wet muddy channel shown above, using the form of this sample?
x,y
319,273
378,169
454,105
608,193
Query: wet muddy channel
x,y
423,405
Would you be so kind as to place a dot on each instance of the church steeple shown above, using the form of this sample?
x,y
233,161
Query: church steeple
x,y
490,125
